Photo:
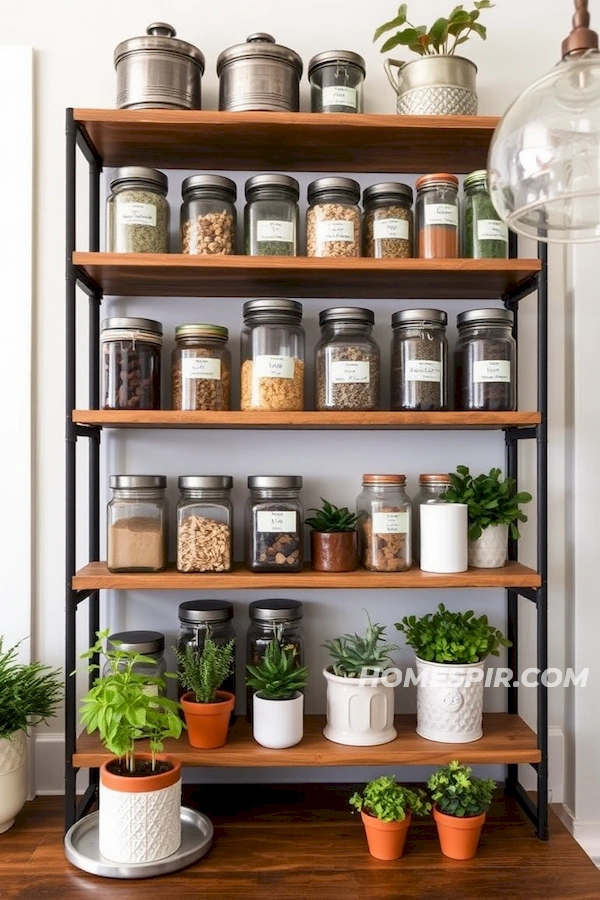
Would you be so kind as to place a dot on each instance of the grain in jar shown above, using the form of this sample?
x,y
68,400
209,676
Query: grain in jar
x,y
131,353
271,215
201,368
208,215
272,352
205,523
385,525
485,360
333,226
419,360
137,211
388,221
347,360
437,216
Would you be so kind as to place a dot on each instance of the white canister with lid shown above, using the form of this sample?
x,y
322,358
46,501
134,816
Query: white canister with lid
x,y
444,537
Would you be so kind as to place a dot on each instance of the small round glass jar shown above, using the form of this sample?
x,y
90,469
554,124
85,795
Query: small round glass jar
x,y
137,523
195,618
270,618
204,523
131,349
333,226
208,215
274,517
437,216
201,368
146,643
336,82
388,221
419,360
272,355
484,234
385,524
347,360
137,211
485,360
271,215
431,488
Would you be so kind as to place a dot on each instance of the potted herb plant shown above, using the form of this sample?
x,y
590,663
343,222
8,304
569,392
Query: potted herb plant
x,y
493,511
29,695
386,809
460,804
207,709
140,792
439,82
360,696
333,538
451,649
278,704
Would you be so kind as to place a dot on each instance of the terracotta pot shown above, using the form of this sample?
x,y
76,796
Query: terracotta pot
x,y
334,551
207,723
385,839
459,837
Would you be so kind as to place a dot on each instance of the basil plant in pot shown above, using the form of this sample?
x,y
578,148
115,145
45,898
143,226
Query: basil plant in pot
x,y
278,704
386,809
207,709
451,649
461,801
333,538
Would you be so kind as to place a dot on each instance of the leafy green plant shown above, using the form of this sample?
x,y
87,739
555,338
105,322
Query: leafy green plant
x,y
457,792
352,653
277,677
444,36
204,673
489,500
29,692
384,799
332,518
452,637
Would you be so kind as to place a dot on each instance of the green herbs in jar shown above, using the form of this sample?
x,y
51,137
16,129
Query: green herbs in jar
x,y
484,234
137,212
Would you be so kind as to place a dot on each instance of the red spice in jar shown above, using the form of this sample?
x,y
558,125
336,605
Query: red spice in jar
x,y
437,216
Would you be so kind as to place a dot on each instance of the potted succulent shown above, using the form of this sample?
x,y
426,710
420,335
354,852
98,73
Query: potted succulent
x,y
207,709
29,695
360,696
460,804
140,792
493,511
278,704
333,538
386,809
451,649
439,82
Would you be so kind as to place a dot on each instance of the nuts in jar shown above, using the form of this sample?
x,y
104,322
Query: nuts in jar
x,y
208,215
201,368
333,218
131,349
385,526
274,523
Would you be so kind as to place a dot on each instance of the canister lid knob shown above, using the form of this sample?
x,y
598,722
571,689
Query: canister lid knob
x,y
260,37
161,29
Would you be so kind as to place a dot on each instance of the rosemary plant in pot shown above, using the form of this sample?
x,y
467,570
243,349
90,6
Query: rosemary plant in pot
x,y
333,538
207,709
386,810
278,704
461,801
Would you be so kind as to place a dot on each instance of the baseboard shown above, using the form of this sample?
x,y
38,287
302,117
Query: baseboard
x,y
556,767
587,834
49,756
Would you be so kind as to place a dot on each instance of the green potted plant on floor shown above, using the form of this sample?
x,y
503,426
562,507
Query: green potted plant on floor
x,y
386,809
207,709
278,702
333,538
461,801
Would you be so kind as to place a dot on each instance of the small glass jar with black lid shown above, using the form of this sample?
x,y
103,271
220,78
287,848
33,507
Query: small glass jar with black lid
x,y
333,226
195,618
388,221
137,211
205,523
484,234
271,215
137,523
272,355
131,349
208,215
437,216
431,488
419,360
274,517
336,82
150,644
486,359
201,368
347,360
273,618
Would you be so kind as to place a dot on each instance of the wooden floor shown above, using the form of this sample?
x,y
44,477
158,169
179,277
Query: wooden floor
x,y
282,843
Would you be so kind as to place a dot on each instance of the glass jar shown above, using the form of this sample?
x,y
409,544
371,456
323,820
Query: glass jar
x,y
384,528
195,618
130,363
486,360
201,368
484,234
137,523
388,221
137,211
208,215
419,360
146,643
272,376
333,218
347,360
274,518
204,523
271,215
437,216
336,82
431,488
268,619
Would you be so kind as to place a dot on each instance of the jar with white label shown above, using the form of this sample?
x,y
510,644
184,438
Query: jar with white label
x,y
333,226
336,82
431,488
272,355
201,368
131,351
484,234
388,221
274,518
150,644
419,360
207,226
385,525
204,523
486,360
271,215
437,216
137,211
347,360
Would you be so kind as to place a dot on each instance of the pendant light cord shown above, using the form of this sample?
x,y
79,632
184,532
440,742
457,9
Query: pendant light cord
x,y
582,37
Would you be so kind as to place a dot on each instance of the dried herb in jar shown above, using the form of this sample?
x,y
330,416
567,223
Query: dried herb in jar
x,y
137,212
419,360
485,236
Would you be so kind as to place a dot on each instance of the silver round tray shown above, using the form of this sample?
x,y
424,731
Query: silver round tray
x,y
81,848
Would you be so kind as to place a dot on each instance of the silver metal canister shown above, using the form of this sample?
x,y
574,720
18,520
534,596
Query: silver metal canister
x,y
259,75
157,70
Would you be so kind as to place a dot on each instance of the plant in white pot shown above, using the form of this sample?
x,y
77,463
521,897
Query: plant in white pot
x,y
451,649
29,695
278,704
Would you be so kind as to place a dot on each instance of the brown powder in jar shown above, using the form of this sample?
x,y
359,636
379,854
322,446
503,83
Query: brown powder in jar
x,y
136,544
438,242
272,393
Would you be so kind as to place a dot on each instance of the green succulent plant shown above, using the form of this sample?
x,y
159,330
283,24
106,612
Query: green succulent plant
x,y
332,518
489,500
29,692
277,677
352,653
445,35
384,799
204,672
457,792
452,637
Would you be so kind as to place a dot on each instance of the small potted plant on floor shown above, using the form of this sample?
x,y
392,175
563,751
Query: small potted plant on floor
x,y
461,801
207,709
278,704
493,510
333,538
386,809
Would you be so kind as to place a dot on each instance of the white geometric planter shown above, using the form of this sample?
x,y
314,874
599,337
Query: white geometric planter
x,y
278,723
490,549
13,777
450,702
360,713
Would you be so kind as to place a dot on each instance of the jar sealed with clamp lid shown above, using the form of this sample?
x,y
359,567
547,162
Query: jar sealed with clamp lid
x,y
131,350
431,488
333,225
486,358
388,221
272,376
208,215
196,617
347,360
204,523
484,234
150,644
437,216
271,215
274,518
419,360
336,82
384,528
269,619
137,211
201,368
137,523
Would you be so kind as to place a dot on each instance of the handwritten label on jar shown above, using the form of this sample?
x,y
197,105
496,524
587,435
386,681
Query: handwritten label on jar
x,y
136,214
496,370
200,367
335,230
275,520
339,96
275,230
151,690
390,229
390,523
274,366
491,230
346,372
423,370
441,214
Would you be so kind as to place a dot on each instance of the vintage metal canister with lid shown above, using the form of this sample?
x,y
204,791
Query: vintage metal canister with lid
x,y
259,75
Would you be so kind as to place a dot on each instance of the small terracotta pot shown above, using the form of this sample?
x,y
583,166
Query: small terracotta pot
x,y
459,837
334,551
207,723
385,839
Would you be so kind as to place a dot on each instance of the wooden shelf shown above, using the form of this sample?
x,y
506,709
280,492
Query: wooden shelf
x,y
96,576
184,275
506,739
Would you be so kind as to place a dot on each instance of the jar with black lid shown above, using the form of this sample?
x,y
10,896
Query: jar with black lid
x,y
272,355
388,221
333,226
269,618
274,521
271,215
131,349
419,360
146,643
195,617
208,215
201,368
137,211
347,360
486,358
336,82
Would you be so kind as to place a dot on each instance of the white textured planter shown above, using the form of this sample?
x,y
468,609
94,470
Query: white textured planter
x,y
278,723
13,777
450,702
359,714
490,550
